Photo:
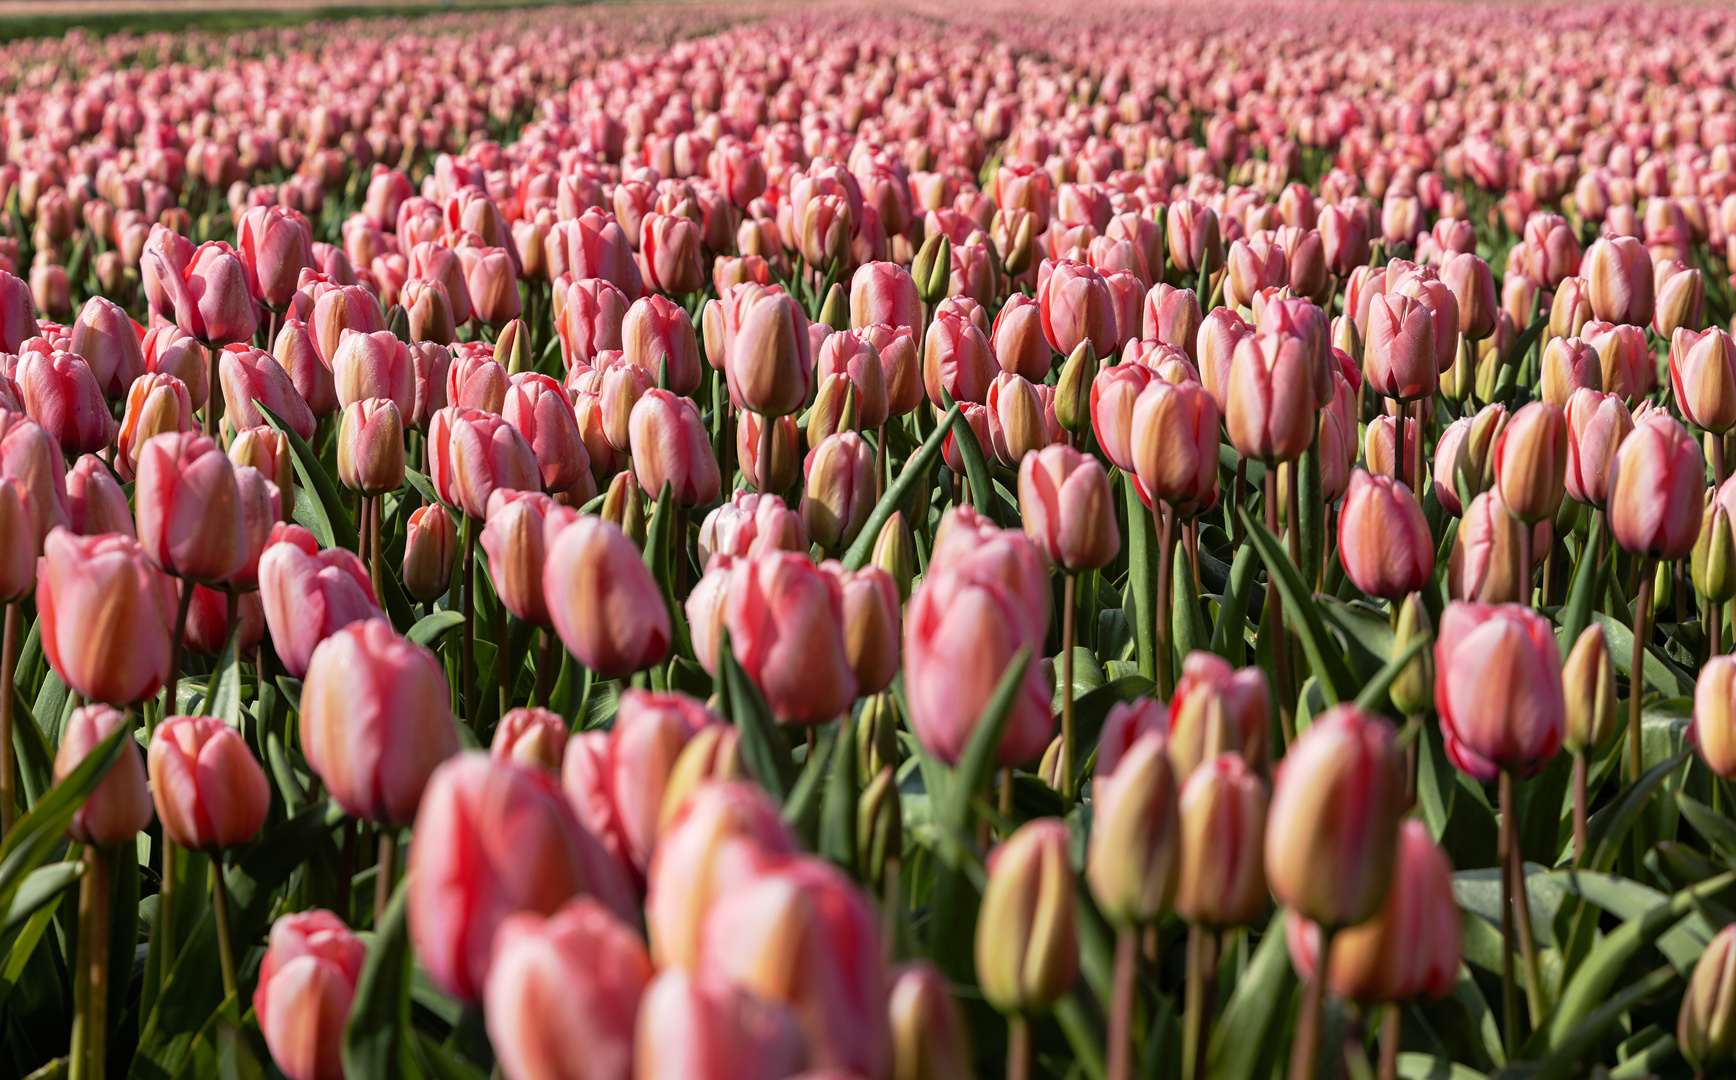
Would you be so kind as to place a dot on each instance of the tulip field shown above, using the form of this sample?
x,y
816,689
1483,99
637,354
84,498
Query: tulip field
x,y
780,542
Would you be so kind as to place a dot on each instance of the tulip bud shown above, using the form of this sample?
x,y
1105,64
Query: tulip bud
x,y
1333,826
932,270
930,1040
1073,388
1680,297
624,507
1135,849
602,599
512,347
1498,688
1383,538
209,791
120,807
1655,490
835,309
371,447
1027,948
1412,692
1568,364
1067,507
1221,879
839,491
430,547
307,980
1713,563
1530,459
879,828
1588,683
1706,1026
895,553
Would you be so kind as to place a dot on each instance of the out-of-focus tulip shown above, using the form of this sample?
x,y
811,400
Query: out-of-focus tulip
x,y
494,839
1333,826
375,721
307,980
1703,378
104,628
602,599
189,509
985,596
748,524
209,791
770,358
707,1028
1681,295
1221,877
17,316
870,624
1133,861
1067,508
1618,276
929,1038
1498,688
1027,947
1217,709
578,974
60,393
1195,242
105,337
1383,538
1715,715
120,807
1597,423
1655,486
1411,948
670,446
1571,310
533,737
310,595
1588,688
18,543
430,546
1530,457
1271,406
1706,1025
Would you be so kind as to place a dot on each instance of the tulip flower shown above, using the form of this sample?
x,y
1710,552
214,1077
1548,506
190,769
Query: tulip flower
x,y
1618,275
871,624
579,974
1067,508
957,361
838,492
212,297
603,601
274,244
430,547
1383,538
1270,412
1135,849
533,737
1703,378
1174,442
1027,950
1217,709
189,508
1074,305
472,453
105,631
929,1036
1018,342
17,316
785,619
371,446
210,793
769,357
120,806
1498,689
156,405
1530,458
883,292
1655,484
492,281
494,839
707,1028
657,334
670,446
1221,880
1597,423
307,980
854,356
310,595
251,378
1704,1029
1624,358
60,392
108,341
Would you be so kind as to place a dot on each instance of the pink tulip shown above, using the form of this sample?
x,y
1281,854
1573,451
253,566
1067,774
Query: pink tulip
x,y
275,244
307,980
189,509
1067,507
656,334
209,791
513,540
532,737
476,380
252,379
60,393
1075,306
540,410
707,1028
883,292
373,366
1383,538
956,361
295,353
1656,481
169,350
105,630
17,315
471,453
871,630
156,405
670,446
310,595
120,807
590,320
603,601
1498,688
785,620
108,340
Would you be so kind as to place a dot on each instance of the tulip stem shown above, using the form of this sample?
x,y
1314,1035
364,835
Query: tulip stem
x,y
1636,671
1275,624
8,674
1202,971
880,462
1165,513
1018,1048
387,867
1236,498
764,462
1527,590
220,909
1417,469
1398,472
172,689
1391,1027
1305,1050
1513,862
376,553
1580,799
546,665
1718,473
503,665
213,390
467,641
1121,1005
1069,594
90,982
165,926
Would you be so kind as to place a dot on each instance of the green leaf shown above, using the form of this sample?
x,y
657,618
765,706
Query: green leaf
x,y
21,943
838,812
1336,682
327,502
35,759
1141,578
801,808
1608,827
763,749
1187,625
1718,830
1082,1035
1413,1066
1256,1012
1229,636
378,1035
438,1063
39,888
1527,338
1373,695
1584,592
35,836
915,472
1573,1044
976,468
1658,671
423,486
430,628
1311,510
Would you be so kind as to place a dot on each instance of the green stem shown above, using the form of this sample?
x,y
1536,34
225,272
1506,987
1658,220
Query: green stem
x,y
1069,594
225,941
467,639
1522,903
1165,572
1202,966
8,677
387,867
1018,1048
1121,1005
171,689
1305,1050
1636,672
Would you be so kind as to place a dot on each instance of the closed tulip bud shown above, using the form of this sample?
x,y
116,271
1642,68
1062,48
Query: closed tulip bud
x,y
932,269
59,392
104,626
1221,814
834,409
713,754
1484,565
371,446
1588,685
1473,288
1195,241
770,358
50,287
579,974
1530,458
671,447
1618,277
930,1040
210,793
1703,377
429,311
879,828
1596,425
1333,826
1571,309
1568,365
984,596
895,553
1134,858
1073,389
1498,688
870,618
1018,342
1714,718
189,509
1216,709
307,980
1174,442
824,230
1681,295
211,297
624,507
494,839
1713,562
512,347
1271,406
1706,1025
657,335
1067,508
491,279
1655,490
308,596
156,405
706,1028
251,379
106,338
1016,422
120,807
835,309
1413,690
1411,948
374,720
1075,305
1027,948
602,599
430,546
1383,537
957,361
1011,231
1400,353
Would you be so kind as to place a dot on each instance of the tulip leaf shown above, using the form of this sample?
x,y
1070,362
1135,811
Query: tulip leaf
x,y
915,472
1414,1066
1522,344
255,874
327,502
1718,830
978,761
1587,586
1336,682
1373,696
838,811
439,1063
423,486
976,469
37,834
1596,977
763,748
1607,828
35,759
1311,510
1187,625
1083,1036
1659,671
377,1037
1141,578
803,805
1229,636
1247,1033
1574,1043
17,944
431,628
